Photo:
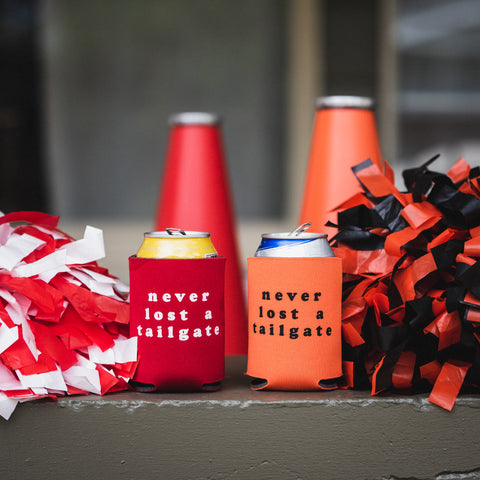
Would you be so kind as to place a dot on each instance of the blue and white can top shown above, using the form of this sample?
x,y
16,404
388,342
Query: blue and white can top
x,y
297,244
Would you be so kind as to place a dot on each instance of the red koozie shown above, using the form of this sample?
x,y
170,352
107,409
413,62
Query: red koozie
x,y
177,314
195,196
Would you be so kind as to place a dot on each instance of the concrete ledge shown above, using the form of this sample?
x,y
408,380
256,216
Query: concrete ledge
x,y
241,434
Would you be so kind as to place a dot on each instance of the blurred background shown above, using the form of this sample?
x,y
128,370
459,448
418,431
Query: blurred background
x,y
87,88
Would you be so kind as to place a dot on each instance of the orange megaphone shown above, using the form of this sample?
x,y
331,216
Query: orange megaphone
x,y
344,135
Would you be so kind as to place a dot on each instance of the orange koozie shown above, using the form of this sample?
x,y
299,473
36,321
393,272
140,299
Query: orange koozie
x,y
294,322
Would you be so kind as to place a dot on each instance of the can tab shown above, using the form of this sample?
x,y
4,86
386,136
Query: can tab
x,y
175,231
302,228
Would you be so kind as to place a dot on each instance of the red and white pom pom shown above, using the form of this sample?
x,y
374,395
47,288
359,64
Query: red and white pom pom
x,y
63,318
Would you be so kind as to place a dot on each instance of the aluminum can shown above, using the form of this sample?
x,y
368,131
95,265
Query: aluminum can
x,y
298,243
177,243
